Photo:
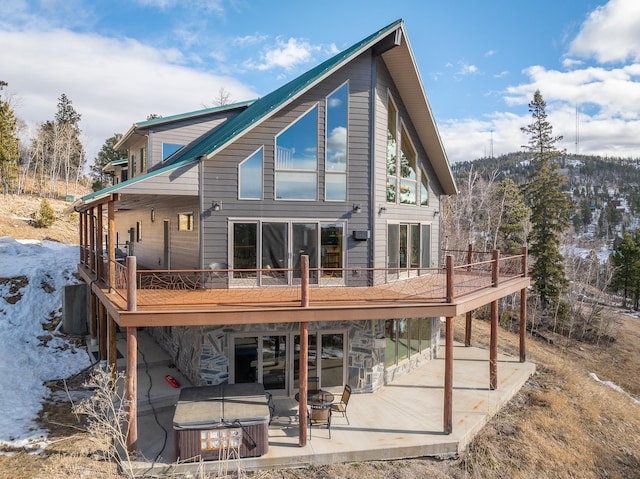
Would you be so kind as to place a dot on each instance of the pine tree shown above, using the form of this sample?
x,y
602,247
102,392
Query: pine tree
x,y
8,143
625,260
511,233
106,155
550,206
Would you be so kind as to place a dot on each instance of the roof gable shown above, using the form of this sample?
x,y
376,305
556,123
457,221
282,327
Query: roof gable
x,y
390,43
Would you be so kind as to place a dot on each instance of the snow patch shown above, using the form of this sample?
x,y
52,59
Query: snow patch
x,y
613,386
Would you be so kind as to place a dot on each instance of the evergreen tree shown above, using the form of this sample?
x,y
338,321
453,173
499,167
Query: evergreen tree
x,y
550,206
8,142
625,260
106,155
515,218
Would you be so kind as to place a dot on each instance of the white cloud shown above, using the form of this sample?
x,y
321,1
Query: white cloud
x,y
467,69
611,33
285,54
111,82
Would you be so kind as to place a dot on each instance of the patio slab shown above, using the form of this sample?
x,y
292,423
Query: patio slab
x,y
403,419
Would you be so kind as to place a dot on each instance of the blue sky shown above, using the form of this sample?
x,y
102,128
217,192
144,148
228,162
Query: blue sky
x,y
480,62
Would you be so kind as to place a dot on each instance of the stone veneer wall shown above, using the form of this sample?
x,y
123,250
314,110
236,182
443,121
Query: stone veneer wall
x,y
203,354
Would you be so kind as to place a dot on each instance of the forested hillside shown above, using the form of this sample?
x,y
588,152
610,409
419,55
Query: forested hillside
x,y
604,191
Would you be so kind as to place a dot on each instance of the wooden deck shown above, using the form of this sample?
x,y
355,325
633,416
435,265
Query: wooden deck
x,y
170,303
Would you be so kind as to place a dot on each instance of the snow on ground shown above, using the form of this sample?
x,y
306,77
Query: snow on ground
x,y
25,361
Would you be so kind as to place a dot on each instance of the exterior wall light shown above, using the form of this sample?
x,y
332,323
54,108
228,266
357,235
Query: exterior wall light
x,y
216,205
357,208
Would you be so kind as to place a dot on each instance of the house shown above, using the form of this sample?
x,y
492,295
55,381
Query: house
x,y
312,212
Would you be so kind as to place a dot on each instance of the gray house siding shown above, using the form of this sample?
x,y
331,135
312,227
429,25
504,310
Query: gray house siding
x,y
220,174
387,212
182,133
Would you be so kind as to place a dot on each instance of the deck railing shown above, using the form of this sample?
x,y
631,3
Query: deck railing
x,y
445,284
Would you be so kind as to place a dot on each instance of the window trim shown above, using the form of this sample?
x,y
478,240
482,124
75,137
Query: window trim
x,y
315,171
327,171
249,198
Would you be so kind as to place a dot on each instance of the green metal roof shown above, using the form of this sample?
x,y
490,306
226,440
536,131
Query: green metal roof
x,y
257,111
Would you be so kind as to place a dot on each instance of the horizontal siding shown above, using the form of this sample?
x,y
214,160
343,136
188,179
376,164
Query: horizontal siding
x,y
181,181
182,133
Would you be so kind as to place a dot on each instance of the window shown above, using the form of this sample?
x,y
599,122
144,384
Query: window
x,y
250,177
185,221
408,173
296,161
392,152
406,337
336,150
169,149
278,246
424,189
133,166
138,232
143,160
405,250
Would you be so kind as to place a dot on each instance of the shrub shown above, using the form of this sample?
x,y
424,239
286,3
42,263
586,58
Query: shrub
x,y
46,216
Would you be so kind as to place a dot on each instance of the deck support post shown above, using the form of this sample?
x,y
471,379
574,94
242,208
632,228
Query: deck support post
x,y
448,377
113,350
304,354
93,318
132,290
523,310
111,244
99,250
493,347
467,330
131,389
450,286
102,331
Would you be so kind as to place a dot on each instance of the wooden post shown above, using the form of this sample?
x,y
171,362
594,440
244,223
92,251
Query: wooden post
x,y
99,236
523,310
523,325
81,236
113,350
93,319
467,330
304,354
469,256
132,290
131,390
448,377
495,268
111,245
102,331
92,242
450,293
493,347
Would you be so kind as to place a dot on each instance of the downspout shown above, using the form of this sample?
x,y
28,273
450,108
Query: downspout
x,y
372,152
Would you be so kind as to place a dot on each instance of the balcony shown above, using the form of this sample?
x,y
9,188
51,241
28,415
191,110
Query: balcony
x,y
232,296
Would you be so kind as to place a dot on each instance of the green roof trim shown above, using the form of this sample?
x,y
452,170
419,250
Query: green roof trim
x,y
122,161
204,111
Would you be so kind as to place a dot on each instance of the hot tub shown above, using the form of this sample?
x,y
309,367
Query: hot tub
x,y
212,421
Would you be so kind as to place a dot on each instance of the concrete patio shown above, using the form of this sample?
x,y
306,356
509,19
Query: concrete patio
x,y
403,419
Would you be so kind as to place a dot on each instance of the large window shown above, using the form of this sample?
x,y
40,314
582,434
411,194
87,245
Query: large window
x,y
408,173
406,337
296,165
392,152
336,149
424,189
250,177
278,246
406,249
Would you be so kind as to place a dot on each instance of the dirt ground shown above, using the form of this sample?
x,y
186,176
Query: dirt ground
x,y
562,424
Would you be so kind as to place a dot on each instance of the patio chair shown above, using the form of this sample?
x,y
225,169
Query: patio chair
x,y
320,416
341,406
313,383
